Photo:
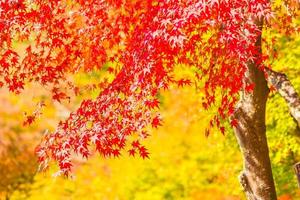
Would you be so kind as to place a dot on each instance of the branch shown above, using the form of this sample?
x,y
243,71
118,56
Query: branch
x,y
285,88
246,187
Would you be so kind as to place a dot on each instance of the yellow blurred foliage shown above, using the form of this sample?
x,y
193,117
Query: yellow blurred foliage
x,y
183,164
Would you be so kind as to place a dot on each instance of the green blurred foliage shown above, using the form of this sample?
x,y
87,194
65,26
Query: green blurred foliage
x,y
283,132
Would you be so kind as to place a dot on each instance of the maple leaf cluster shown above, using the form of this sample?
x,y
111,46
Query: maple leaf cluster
x,y
147,38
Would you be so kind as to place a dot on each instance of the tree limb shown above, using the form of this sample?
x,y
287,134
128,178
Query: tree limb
x,y
285,88
246,187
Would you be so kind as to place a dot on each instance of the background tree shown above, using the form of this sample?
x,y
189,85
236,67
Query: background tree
x,y
18,168
18,162
219,40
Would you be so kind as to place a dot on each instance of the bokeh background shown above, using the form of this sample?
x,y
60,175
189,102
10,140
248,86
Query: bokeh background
x,y
184,164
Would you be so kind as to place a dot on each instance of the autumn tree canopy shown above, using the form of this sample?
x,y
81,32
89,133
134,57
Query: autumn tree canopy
x,y
145,40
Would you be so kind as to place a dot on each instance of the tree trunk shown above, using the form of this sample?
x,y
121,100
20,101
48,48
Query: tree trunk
x,y
256,177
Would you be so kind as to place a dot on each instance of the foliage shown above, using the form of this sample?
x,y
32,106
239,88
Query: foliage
x,y
140,44
184,163
17,168
18,163
283,131
146,39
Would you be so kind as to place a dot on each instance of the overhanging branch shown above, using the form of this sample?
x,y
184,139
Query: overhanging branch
x,y
285,88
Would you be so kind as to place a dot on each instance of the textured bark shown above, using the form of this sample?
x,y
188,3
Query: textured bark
x,y
297,172
285,88
256,177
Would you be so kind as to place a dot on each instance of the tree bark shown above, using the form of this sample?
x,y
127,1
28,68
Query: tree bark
x,y
285,88
256,177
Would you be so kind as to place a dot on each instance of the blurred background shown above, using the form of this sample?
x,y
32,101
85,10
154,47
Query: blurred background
x,y
183,164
